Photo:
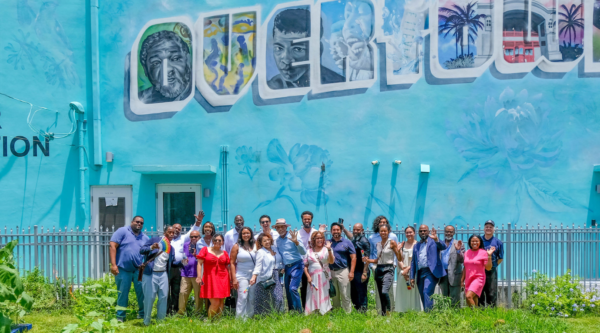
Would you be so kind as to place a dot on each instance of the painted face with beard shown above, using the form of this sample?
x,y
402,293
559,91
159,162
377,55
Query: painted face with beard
x,y
168,67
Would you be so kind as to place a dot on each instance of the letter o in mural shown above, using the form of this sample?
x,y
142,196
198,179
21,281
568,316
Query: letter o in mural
x,y
227,54
162,66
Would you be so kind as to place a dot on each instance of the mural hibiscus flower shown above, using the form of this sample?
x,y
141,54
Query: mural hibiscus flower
x,y
303,170
510,139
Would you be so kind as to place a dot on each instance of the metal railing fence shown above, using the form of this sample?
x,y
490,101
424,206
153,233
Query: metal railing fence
x,y
77,255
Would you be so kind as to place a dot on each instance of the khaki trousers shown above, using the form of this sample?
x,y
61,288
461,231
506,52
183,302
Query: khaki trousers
x,y
342,297
187,284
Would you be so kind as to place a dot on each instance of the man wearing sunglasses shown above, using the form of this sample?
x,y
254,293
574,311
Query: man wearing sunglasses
x,y
265,224
125,258
189,273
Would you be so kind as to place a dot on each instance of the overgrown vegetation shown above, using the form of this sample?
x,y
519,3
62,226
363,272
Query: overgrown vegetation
x,y
92,308
562,296
14,302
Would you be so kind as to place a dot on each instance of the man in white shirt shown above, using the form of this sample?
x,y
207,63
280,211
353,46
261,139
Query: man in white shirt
x,y
175,272
231,237
265,224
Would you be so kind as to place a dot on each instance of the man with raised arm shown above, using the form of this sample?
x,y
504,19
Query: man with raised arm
x,y
292,252
426,267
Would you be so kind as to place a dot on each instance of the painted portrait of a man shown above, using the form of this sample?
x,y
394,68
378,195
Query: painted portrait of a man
x,y
167,63
290,25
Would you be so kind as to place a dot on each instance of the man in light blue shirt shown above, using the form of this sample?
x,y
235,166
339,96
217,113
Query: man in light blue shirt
x,y
125,258
291,251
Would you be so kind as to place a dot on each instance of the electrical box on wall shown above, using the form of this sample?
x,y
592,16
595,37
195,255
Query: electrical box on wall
x,y
598,188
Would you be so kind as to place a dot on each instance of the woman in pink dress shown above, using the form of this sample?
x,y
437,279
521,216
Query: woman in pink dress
x,y
316,269
477,261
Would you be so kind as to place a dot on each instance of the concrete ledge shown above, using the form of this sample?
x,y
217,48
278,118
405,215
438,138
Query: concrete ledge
x,y
174,169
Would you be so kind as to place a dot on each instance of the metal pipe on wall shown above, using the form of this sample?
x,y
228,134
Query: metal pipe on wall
x,y
224,187
81,133
95,66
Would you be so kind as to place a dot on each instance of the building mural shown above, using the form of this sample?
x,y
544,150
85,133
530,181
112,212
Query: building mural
x,y
256,101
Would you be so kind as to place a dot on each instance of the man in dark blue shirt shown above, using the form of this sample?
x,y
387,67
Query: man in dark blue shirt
x,y
125,258
342,270
489,295
360,283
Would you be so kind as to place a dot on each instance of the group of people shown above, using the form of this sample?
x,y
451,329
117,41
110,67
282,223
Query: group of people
x,y
250,272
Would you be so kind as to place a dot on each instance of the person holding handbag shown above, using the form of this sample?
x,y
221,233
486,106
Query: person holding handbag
x,y
243,259
387,251
268,295
318,275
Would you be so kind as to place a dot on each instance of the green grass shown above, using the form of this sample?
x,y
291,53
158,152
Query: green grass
x,y
464,320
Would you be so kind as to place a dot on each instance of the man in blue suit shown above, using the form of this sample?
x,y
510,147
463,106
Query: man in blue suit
x,y
158,260
426,267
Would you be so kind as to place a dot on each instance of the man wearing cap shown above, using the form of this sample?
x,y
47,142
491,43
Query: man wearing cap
x,y
489,295
342,269
291,251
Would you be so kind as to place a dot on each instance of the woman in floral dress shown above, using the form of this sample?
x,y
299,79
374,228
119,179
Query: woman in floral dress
x,y
316,269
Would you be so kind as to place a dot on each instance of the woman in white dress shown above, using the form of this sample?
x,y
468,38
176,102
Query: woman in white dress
x,y
407,298
316,269
243,259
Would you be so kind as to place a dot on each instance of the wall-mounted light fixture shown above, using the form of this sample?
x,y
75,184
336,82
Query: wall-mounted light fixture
x,y
206,192
376,162
397,162
425,168
109,157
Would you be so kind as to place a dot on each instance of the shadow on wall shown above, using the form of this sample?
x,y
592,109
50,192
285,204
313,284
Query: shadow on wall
x,y
368,210
594,203
421,196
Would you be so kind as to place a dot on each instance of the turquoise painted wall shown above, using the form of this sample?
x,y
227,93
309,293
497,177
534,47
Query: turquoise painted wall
x,y
517,150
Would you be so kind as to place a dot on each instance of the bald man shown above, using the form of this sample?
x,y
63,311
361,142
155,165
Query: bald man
x,y
359,285
426,267
189,273
175,273
231,236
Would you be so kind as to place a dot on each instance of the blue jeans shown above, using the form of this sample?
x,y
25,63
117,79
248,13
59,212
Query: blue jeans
x,y
155,284
426,284
123,280
293,278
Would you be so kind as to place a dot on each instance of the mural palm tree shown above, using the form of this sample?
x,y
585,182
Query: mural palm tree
x,y
571,22
451,25
456,18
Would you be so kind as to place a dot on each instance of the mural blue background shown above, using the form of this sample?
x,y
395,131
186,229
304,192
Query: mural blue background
x,y
519,151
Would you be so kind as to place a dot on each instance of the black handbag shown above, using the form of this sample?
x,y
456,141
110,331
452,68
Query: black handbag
x,y
267,283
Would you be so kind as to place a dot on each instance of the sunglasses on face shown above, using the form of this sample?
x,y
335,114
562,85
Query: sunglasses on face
x,y
263,222
138,222
194,236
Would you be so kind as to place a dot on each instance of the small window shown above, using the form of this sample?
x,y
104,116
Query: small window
x,y
521,50
543,43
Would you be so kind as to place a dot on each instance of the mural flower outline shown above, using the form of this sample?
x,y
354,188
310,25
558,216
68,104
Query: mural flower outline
x,y
509,140
246,157
299,171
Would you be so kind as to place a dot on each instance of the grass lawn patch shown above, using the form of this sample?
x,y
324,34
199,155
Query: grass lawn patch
x,y
464,320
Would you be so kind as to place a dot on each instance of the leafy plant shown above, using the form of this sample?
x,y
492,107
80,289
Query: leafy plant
x,y
462,61
103,317
48,295
562,296
14,302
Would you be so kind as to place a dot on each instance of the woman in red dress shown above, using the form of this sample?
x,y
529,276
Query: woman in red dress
x,y
215,280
